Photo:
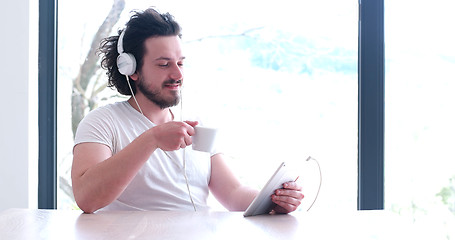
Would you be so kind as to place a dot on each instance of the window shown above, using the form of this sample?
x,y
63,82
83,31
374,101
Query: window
x,y
420,65
280,83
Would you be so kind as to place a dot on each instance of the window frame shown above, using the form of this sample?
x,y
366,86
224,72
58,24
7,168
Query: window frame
x,y
371,105
47,105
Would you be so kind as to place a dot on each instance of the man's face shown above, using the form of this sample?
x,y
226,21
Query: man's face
x,y
161,75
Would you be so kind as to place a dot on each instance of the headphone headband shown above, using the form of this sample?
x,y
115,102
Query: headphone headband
x,y
120,42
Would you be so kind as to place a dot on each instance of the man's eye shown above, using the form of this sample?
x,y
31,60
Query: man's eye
x,y
163,65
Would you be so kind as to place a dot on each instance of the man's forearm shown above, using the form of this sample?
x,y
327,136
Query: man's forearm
x,y
241,198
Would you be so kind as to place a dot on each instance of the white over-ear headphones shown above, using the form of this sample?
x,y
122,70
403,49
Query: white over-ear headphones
x,y
126,63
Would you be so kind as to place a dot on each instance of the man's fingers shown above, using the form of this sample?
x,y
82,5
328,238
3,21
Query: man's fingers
x,y
192,123
289,198
187,140
292,185
284,206
289,193
286,199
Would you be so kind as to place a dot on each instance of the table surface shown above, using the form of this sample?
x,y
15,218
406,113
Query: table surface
x,y
58,224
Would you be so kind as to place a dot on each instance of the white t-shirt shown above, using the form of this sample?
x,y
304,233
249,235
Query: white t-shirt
x,y
160,183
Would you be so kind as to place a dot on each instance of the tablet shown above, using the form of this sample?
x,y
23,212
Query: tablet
x,y
263,204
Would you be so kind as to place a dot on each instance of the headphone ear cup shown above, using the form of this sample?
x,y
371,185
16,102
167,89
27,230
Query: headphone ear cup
x,y
126,64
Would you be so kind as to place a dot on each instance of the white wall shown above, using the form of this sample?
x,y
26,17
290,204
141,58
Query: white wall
x,y
14,100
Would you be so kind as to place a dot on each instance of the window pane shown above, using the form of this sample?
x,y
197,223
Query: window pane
x,y
420,65
280,84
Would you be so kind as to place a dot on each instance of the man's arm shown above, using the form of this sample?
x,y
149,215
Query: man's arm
x,y
226,187
99,177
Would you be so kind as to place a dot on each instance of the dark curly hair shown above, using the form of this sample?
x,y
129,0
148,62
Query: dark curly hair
x,y
141,26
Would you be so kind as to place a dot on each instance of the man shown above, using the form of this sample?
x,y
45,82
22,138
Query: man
x,y
133,155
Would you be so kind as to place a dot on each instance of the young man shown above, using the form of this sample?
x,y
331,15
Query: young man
x,y
133,155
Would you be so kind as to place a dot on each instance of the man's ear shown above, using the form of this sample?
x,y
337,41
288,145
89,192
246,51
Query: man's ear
x,y
134,77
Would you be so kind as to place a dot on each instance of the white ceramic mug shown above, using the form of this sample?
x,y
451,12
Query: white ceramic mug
x,y
204,139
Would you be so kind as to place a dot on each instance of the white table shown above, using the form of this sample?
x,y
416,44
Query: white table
x,y
57,224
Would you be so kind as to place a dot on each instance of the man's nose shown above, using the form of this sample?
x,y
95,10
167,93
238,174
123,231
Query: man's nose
x,y
177,72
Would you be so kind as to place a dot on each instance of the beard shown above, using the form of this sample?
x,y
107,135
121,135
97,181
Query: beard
x,y
156,97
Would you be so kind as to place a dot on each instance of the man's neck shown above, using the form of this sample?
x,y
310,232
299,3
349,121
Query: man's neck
x,y
152,111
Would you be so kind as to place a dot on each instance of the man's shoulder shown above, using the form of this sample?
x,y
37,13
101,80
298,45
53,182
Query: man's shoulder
x,y
100,124
109,109
105,114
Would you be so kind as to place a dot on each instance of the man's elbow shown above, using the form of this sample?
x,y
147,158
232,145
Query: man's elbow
x,y
86,206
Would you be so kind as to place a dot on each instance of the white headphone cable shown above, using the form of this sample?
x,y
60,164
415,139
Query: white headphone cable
x,y
132,93
184,152
320,181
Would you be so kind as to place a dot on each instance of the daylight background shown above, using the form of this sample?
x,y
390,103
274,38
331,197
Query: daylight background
x,y
279,79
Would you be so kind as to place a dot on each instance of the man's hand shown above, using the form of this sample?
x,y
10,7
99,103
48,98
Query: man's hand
x,y
288,198
174,135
